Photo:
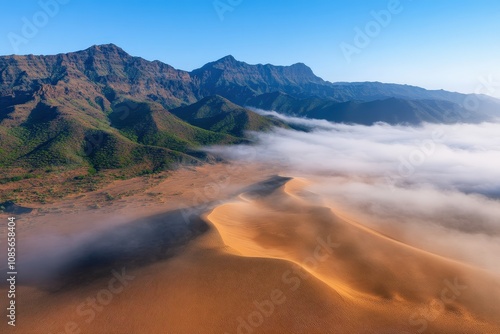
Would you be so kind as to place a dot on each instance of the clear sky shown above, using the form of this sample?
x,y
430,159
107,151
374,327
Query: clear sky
x,y
448,44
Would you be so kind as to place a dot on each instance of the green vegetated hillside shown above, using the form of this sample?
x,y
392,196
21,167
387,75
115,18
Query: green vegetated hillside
x,y
128,133
218,114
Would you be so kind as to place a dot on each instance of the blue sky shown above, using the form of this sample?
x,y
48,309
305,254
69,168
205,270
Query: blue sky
x,y
454,45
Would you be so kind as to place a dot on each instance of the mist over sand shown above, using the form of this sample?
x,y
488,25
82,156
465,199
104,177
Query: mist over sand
x,y
341,229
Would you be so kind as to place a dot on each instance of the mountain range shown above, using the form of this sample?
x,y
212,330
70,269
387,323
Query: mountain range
x,y
104,108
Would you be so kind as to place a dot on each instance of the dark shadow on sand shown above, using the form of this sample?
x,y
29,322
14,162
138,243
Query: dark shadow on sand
x,y
265,188
136,244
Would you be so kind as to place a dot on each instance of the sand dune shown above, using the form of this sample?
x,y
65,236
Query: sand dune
x,y
273,258
385,278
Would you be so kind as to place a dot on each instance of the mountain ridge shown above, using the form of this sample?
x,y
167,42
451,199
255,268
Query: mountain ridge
x,y
140,109
298,70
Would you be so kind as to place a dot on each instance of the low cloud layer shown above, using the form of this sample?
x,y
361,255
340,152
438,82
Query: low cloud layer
x,y
435,186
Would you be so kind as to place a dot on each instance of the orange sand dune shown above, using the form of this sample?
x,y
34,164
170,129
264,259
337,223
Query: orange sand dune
x,y
274,259
382,277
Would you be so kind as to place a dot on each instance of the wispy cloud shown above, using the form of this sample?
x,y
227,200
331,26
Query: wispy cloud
x,y
437,186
